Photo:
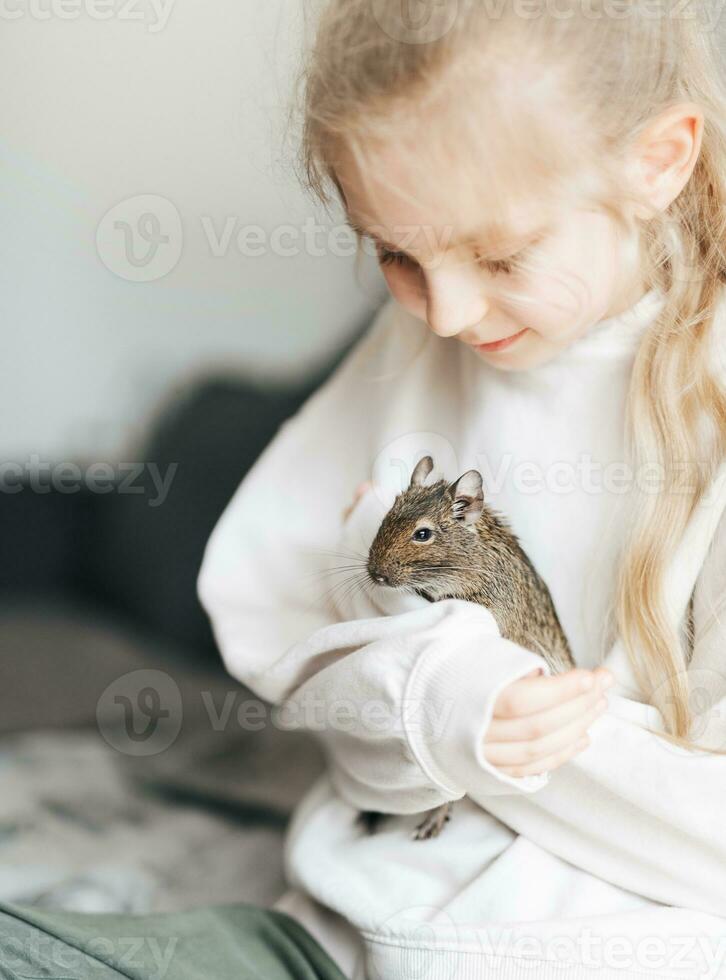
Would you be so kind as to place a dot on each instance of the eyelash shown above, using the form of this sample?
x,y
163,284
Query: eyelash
x,y
386,257
495,266
505,266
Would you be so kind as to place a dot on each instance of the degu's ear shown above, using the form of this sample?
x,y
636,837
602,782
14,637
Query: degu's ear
x,y
422,470
468,497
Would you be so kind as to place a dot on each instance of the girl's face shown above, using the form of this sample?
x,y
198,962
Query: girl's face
x,y
538,287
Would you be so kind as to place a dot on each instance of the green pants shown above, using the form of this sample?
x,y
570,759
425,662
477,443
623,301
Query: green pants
x,y
221,942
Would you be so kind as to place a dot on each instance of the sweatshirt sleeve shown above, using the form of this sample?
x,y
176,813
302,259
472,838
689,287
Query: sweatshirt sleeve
x,y
385,679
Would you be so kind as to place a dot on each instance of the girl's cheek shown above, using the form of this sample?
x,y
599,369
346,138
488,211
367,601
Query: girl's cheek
x,y
545,306
560,296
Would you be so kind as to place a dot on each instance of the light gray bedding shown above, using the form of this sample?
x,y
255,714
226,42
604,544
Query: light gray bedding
x,y
79,830
87,827
76,832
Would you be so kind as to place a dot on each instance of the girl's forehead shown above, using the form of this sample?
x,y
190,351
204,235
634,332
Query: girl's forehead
x,y
392,195
420,221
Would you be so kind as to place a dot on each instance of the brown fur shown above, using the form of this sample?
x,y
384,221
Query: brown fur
x,y
474,555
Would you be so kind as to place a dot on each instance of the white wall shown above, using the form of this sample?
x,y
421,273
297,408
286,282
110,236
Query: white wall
x,y
182,100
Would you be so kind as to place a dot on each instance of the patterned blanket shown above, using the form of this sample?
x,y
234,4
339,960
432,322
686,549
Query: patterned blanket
x,y
82,827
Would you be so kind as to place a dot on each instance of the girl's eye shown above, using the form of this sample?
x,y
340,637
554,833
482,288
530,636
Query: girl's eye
x,y
386,257
512,263
503,266
499,266
423,534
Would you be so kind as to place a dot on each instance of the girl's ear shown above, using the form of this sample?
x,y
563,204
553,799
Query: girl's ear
x,y
422,470
468,497
665,153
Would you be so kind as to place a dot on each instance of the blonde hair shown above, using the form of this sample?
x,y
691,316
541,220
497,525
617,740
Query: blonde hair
x,y
371,78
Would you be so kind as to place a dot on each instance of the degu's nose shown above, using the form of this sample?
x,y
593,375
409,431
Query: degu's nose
x,y
379,577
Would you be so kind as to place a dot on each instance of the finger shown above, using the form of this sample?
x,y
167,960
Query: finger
x,y
360,490
524,752
532,694
547,765
531,727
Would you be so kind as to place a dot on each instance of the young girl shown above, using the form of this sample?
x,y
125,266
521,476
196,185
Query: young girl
x,y
544,186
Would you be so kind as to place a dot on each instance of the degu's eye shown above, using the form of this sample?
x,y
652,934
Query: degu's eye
x,y
422,534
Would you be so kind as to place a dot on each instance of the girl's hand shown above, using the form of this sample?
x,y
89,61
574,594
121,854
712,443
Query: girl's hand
x,y
360,490
539,722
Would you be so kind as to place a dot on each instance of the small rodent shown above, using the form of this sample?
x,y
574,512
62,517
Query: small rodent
x,y
444,542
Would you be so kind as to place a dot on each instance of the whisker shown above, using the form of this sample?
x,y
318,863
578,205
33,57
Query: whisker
x,y
346,573
356,583
332,571
336,554
340,590
441,568
329,595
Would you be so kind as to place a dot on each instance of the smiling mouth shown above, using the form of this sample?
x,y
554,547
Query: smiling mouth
x,y
501,344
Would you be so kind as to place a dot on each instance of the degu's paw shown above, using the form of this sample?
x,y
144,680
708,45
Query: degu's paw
x,y
433,822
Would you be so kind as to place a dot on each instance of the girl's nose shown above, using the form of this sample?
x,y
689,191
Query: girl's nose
x,y
455,299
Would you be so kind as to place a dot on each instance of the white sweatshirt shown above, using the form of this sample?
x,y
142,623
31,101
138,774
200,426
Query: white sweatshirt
x,y
614,864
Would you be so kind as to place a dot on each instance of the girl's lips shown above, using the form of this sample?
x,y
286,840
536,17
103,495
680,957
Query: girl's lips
x,y
501,344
